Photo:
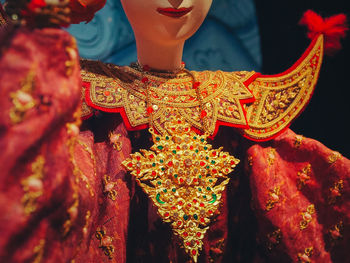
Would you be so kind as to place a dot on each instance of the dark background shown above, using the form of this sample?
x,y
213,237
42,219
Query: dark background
x,y
326,118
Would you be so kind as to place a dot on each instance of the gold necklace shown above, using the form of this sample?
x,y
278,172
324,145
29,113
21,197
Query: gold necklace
x,y
182,174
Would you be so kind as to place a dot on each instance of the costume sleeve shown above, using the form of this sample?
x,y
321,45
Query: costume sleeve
x,y
301,197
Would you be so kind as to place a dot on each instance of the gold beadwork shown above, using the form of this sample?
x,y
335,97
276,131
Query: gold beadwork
x,y
273,239
304,176
185,179
305,257
33,185
274,198
22,99
298,141
307,217
39,251
334,157
335,192
105,242
336,232
109,188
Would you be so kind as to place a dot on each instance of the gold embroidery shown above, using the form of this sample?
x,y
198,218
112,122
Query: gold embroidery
x,y
273,239
305,257
73,213
221,93
298,141
279,99
109,188
335,192
307,217
87,219
271,156
274,198
335,232
39,251
105,242
22,99
33,185
334,157
304,176
185,179
115,140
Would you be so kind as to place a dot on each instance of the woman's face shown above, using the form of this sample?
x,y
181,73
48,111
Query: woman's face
x,y
166,21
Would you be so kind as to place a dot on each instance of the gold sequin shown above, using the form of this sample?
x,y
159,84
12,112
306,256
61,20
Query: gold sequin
x,y
307,217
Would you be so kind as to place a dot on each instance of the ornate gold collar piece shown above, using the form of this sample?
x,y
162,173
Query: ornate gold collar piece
x,y
185,179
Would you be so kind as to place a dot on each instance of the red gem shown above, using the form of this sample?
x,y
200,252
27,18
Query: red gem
x,y
224,156
144,80
138,158
180,203
178,148
170,163
149,110
130,164
183,63
197,242
151,156
107,93
202,220
202,163
179,223
188,244
166,214
195,180
189,205
173,208
232,162
185,234
214,153
186,129
194,252
194,201
181,180
179,122
196,84
210,211
199,234
201,205
214,171
138,171
154,173
203,114
191,147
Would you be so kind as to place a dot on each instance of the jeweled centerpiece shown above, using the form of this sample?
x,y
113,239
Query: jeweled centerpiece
x,y
185,179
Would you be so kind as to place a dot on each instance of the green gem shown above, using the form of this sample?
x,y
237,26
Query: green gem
x,y
165,190
196,150
161,161
210,181
167,138
175,175
213,162
208,188
204,196
202,140
195,216
208,167
205,148
185,217
157,139
199,176
200,189
194,137
207,158
159,182
153,164
160,147
174,152
163,169
174,190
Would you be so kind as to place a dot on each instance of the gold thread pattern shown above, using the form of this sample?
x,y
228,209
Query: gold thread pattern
x,y
109,188
304,176
298,141
335,192
336,232
22,99
305,257
33,185
307,217
274,198
39,251
185,179
334,157
105,242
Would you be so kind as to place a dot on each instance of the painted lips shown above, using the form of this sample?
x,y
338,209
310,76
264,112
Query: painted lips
x,y
172,12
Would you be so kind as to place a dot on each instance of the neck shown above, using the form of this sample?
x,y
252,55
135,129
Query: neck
x,y
157,56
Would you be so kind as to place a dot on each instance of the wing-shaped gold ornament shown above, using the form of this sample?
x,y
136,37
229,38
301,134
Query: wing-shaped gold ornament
x,y
281,98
